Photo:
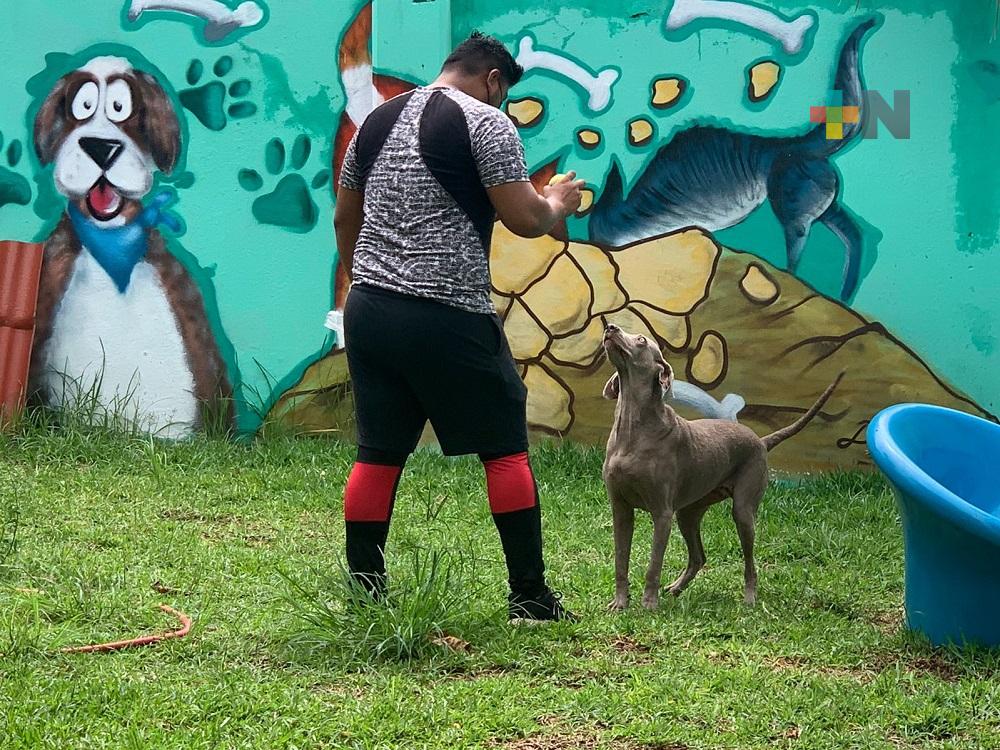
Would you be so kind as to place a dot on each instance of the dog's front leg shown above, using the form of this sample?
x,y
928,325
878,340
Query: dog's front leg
x,y
662,521
623,516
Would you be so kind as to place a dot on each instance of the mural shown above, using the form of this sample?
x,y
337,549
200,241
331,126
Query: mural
x,y
120,322
754,342
124,188
179,166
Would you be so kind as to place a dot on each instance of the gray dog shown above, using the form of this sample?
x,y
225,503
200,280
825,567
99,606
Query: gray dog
x,y
666,465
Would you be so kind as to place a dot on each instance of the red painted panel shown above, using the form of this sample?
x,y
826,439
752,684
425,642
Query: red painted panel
x,y
20,268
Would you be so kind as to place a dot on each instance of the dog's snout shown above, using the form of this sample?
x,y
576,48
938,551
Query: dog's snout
x,y
103,151
611,328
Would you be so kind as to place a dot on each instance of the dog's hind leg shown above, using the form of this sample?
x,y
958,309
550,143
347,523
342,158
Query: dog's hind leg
x,y
623,516
748,490
662,520
795,242
841,224
799,192
689,523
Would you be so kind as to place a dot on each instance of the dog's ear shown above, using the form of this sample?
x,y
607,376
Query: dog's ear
x,y
50,121
158,125
612,388
666,376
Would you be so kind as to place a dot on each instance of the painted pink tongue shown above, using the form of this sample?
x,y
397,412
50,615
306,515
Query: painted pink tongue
x,y
103,198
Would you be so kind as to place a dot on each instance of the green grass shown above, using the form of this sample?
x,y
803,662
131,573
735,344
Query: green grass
x,y
247,539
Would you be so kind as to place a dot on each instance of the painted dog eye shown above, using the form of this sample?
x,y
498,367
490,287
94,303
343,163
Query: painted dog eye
x,y
119,104
641,340
85,102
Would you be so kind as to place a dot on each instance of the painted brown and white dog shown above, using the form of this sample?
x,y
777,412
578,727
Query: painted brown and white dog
x,y
120,322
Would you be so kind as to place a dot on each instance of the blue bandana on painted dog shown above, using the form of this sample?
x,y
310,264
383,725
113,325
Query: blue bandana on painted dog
x,y
119,249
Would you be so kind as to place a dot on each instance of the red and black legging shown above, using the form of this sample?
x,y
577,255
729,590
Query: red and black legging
x,y
513,495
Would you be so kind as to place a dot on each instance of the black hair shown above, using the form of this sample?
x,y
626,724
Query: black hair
x,y
480,53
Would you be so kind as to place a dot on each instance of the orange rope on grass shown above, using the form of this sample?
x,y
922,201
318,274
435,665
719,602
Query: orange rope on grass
x,y
144,640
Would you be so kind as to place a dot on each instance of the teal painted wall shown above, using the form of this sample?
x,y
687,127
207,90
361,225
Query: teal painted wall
x,y
263,109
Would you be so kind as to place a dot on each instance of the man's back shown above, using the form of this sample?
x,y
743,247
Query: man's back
x,y
424,160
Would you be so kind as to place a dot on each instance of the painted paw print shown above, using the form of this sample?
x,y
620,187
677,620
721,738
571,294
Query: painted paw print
x,y
289,205
207,102
13,187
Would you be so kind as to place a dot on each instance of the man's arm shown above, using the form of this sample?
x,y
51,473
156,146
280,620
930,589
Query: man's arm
x,y
523,211
347,218
499,156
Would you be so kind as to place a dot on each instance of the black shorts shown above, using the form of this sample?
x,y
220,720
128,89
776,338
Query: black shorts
x,y
414,359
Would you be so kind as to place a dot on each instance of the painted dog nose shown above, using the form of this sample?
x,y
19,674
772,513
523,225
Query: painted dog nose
x,y
612,327
103,151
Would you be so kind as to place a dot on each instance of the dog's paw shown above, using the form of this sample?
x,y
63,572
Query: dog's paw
x,y
208,102
618,604
14,188
289,205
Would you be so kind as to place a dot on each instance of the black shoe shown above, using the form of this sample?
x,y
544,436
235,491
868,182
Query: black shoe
x,y
542,606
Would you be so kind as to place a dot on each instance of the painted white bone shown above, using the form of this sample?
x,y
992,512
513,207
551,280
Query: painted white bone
x,y
704,403
597,86
791,34
220,19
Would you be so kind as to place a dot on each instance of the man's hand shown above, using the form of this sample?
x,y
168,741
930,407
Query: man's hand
x,y
523,211
565,194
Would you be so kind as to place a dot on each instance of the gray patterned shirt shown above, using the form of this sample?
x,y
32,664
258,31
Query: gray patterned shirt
x,y
424,160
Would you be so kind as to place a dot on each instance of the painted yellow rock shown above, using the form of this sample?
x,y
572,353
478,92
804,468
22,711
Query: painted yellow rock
x,y
759,286
501,303
599,271
526,112
586,201
672,330
517,261
763,77
561,299
707,366
527,339
670,273
588,138
581,349
666,92
548,401
640,131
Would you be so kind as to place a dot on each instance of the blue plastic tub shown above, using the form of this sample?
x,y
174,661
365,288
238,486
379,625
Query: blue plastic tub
x,y
944,466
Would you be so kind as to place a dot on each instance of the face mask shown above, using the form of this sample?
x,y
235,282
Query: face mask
x,y
489,95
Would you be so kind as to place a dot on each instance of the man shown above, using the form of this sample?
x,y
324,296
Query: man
x,y
421,185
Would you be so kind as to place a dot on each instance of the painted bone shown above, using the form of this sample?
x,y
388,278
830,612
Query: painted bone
x,y
598,87
704,403
791,34
220,19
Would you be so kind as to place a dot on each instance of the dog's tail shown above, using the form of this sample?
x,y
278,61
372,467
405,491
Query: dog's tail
x,y
776,438
848,81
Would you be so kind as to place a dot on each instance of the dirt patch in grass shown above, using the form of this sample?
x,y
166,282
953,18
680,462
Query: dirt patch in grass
x,y
887,621
584,738
187,515
928,665
624,644
923,665
473,672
